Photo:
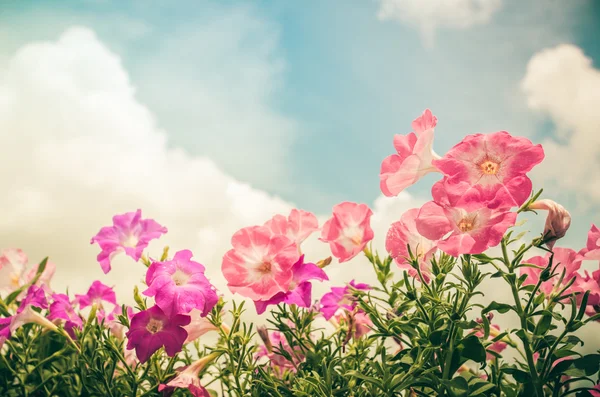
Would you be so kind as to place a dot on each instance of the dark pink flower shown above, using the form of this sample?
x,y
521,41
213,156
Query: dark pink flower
x,y
260,263
595,392
300,289
340,298
36,296
152,329
62,308
4,329
404,233
557,221
297,226
492,167
98,294
592,249
413,159
179,285
564,259
348,231
129,234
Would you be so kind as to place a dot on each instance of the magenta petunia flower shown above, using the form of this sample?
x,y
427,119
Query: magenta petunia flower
x,y
592,249
414,157
300,289
179,285
152,329
348,231
297,226
557,221
4,329
62,308
566,259
36,297
466,228
340,298
404,233
260,263
98,294
129,234
491,166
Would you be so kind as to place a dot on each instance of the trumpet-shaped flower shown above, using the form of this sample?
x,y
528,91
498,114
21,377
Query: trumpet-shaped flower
x,y
129,233
404,234
4,329
260,263
413,159
592,249
100,295
565,259
492,166
341,298
466,229
36,296
198,326
179,285
152,329
589,283
188,378
348,231
62,308
29,316
297,226
300,289
557,221
15,273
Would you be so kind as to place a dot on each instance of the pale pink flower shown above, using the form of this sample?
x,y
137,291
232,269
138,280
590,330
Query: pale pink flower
x,y
340,298
564,259
188,378
300,289
29,316
413,159
467,229
404,233
557,221
114,325
592,249
492,167
179,285
198,326
297,226
152,329
260,263
129,234
15,273
592,284
348,231
273,343
101,295
358,322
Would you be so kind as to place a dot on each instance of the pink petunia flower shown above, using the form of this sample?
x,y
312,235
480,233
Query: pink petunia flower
x,y
557,221
404,233
188,378
566,259
348,231
297,226
15,273
260,263
36,296
62,308
152,329
469,228
4,329
198,326
30,316
340,298
100,295
595,392
179,285
114,325
358,322
414,157
492,166
300,289
129,234
273,343
589,283
592,249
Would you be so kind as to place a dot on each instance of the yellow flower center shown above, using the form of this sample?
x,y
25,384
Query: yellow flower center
x,y
265,267
489,167
154,326
465,225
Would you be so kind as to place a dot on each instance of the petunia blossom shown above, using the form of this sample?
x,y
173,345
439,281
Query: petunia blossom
x,y
114,325
404,234
36,296
100,294
558,220
188,378
493,166
340,298
595,391
4,329
357,321
467,229
274,343
62,308
179,285
348,231
15,272
413,159
565,259
129,233
30,316
300,289
260,263
198,326
589,283
152,329
297,226
592,249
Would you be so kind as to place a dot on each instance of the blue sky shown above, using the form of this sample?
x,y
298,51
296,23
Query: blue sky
x,y
336,81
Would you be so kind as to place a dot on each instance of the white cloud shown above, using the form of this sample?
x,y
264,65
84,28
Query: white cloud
x,y
562,84
77,147
429,15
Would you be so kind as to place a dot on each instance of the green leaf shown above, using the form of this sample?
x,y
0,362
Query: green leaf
x,y
519,375
543,325
472,349
499,307
585,366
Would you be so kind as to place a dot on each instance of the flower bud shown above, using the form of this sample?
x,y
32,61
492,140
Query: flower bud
x,y
557,221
